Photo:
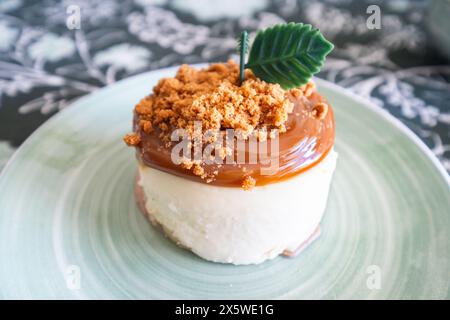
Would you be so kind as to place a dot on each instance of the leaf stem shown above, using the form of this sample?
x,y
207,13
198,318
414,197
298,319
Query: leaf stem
x,y
243,50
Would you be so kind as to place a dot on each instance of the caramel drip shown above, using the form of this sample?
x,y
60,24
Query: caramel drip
x,y
306,142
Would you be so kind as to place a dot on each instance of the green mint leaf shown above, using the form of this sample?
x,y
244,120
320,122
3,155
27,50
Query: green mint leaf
x,y
288,54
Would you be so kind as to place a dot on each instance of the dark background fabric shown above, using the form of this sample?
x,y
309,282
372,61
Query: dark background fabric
x,y
45,66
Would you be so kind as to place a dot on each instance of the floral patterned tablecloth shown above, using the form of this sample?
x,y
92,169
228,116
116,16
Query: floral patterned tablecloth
x,y
46,64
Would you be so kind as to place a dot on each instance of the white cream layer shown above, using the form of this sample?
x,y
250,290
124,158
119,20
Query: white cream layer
x,y
231,225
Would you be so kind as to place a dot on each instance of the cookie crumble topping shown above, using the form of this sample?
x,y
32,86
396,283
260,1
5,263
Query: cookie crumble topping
x,y
214,97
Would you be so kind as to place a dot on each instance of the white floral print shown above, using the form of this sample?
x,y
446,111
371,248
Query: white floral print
x,y
123,57
51,48
44,66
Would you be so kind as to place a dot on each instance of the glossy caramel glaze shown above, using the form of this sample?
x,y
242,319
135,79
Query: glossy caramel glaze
x,y
307,140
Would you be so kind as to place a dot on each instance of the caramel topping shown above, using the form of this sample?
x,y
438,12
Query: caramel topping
x,y
214,97
320,110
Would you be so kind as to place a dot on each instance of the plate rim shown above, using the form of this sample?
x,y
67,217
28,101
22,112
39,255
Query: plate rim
x,y
53,121
322,82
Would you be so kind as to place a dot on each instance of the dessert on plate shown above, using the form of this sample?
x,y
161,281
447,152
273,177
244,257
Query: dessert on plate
x,y
235,160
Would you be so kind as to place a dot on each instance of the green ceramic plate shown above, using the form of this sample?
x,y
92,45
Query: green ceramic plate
x,y
70,228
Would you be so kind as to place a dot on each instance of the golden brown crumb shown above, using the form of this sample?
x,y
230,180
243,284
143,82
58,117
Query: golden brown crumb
x,y
248,183
198,170
132,139
187,163
320,110
296,92
308,89
146,126
144,107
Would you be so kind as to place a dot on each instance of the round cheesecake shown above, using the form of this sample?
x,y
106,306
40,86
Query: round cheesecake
x,y
233,212
232,225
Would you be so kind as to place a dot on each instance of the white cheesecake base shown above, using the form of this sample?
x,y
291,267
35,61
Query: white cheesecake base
x,y
231,225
